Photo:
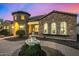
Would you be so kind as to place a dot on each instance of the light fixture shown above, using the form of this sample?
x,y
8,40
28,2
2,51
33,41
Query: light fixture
x,y
21,26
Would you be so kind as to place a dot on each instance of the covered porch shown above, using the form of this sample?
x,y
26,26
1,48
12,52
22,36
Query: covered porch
x,y
33,27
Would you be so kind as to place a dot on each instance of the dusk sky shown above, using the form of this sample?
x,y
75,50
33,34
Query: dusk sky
x,y
36,8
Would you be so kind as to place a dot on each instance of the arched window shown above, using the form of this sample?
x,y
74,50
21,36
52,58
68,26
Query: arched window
x,y
22,17
45,28
63,28
53,28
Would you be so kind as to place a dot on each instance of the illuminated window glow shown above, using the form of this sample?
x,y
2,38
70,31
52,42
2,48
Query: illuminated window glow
x,y
53,28
7,27
22,17
45,28
21,27
63,28
36,28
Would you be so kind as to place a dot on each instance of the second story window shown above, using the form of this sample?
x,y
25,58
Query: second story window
x,y
22,17
15,17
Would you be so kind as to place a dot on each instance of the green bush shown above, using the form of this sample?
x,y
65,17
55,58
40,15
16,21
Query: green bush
x,y
4,32
34,50
21,33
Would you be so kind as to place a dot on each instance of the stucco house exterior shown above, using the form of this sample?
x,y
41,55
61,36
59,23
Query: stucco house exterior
x,y
55,25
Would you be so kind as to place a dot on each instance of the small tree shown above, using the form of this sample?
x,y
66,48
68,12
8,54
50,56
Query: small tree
x,y
20,33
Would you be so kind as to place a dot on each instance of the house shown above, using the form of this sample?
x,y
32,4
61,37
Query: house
x,y
56,24
59,25
1,22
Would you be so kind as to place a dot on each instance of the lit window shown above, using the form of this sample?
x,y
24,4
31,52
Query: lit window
x,y
36,28
12,26
21,27
53,28
22,17
45,28
7,27
63,28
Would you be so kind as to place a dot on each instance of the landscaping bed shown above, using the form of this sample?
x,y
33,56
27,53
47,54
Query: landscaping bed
x,y
34,50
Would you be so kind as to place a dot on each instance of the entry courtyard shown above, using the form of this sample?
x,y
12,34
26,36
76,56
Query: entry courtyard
x,y
51,47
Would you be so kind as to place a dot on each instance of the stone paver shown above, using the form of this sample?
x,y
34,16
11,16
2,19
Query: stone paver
x,y
64,49
8,47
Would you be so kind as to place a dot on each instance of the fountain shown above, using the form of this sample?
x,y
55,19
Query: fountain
x,y
32,47
32,40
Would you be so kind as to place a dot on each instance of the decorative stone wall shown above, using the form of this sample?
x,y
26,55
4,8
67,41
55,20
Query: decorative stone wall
x,y
58,18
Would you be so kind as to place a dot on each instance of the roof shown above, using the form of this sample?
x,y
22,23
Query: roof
x,y
64,12
36,18
23,12
54,11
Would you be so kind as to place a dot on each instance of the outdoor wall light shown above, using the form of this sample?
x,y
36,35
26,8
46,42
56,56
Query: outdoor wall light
x,y
21,26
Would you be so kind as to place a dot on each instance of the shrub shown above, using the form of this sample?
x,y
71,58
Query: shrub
x,y
21,33
34,50
4,32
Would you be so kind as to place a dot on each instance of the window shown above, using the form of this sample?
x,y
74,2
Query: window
x,y
63,28
53,28
45,28
15,17
36,28
22,17
7,27
22,27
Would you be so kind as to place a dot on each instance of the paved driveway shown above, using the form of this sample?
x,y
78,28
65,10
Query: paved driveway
x,y
8,47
